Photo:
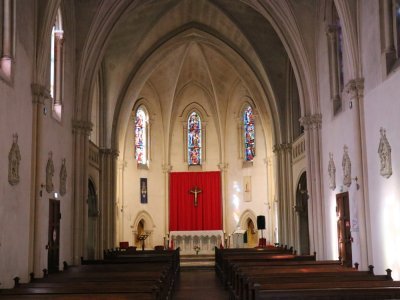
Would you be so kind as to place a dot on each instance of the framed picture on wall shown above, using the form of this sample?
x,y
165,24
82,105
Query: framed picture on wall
x,y
143,190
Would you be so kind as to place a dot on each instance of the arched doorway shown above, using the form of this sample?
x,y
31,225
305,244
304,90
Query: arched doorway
x,y
140,231
143,225
302,214
93,214
252,236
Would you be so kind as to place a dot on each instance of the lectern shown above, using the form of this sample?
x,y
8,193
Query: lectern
x,y
142,238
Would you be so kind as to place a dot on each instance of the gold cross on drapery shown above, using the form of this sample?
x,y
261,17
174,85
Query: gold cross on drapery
x,y
195,191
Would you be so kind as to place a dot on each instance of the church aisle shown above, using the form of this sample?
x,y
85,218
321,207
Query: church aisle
x,y
199,284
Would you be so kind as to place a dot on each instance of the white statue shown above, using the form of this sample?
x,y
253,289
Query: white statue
x,y
332,172
346,165
385,155
14,157
49,173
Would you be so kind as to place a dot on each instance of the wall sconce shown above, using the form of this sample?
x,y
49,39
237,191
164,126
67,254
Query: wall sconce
x,y
356,180
41,188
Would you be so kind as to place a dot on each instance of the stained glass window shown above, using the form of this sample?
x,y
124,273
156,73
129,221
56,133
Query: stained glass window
x,y
249,134
194,139
141,136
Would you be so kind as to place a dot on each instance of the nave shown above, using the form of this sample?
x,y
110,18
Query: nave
x,y
199,284
261,273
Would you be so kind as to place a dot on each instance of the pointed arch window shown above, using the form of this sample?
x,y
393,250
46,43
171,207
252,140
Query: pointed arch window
x,y
390,34
142,136
56,65
7,33
194,139
335,47
249,134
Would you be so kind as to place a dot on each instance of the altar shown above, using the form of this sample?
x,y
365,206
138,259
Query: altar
x,y
205,240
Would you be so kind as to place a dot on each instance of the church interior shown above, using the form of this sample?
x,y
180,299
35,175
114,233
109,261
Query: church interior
x,y
179,123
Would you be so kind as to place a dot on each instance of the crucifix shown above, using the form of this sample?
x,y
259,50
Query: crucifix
x,y
195,191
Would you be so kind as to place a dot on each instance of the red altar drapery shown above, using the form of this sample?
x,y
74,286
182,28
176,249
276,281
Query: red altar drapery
x,y
183,214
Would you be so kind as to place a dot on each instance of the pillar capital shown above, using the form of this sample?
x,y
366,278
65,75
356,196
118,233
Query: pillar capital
x,y
311,121
82,126
355,88
40,93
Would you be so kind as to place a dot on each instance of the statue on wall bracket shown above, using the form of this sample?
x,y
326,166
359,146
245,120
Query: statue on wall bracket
x,y
49,173
332,172
346,165
385,155
63,178
14,157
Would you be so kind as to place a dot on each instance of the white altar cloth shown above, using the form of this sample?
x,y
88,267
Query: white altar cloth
x,y
206,240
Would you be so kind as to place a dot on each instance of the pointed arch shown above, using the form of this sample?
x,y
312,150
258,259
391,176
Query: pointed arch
x,y
248,214
142,136
191,136
249,138
194,138
148,221
56,64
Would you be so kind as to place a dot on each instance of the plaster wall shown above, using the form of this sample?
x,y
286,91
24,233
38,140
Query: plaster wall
x,y
381,111
16,117
56,136
336,131
156,206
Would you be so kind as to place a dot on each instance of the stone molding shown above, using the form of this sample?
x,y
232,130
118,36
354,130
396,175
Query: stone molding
x,y
223,166
355,88
282,147
14,157
81,126
311,121
40,93
385,155
332,172
108,151
166,168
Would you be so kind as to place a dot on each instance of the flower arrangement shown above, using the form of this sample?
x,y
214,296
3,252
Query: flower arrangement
x,y
197,249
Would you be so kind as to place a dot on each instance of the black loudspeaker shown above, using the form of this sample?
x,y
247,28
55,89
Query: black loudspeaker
x,y
260,222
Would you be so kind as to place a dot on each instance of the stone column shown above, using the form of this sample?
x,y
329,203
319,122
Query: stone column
x,y
120,201
355,90
166,170
39,95
284,193
81,130
312,132
270,204
224,168
107,199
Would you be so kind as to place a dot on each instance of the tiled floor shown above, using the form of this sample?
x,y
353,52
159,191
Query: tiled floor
x,y
199,284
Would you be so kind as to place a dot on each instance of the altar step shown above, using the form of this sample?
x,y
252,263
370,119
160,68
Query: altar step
x,y
197,261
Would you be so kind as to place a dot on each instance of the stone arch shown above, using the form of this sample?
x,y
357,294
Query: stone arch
x,y
143,218
248,222
301,208
248,214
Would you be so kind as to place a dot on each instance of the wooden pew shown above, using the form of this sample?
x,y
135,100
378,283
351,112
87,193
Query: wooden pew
x,y
356,290
127,277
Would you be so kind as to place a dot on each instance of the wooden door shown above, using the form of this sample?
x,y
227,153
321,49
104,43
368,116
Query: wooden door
x,y
344,229
53,245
